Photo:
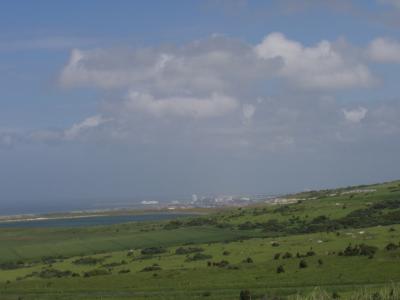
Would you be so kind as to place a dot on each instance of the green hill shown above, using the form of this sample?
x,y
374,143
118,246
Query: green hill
x,y
325,244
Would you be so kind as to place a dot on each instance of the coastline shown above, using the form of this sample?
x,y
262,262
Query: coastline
x,y
94,213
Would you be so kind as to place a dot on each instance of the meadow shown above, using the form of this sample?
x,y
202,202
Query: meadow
x,y
327,244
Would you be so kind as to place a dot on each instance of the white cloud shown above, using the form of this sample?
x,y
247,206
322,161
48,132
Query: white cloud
x,y
355,115
213,106
248,112
384,50
204,66
78,128
321,66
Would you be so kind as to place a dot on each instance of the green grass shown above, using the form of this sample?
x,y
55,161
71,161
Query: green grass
x,y
180,278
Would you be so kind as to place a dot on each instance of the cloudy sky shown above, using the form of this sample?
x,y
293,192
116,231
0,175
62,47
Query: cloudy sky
x,y
122,99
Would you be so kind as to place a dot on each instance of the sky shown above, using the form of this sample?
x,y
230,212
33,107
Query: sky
x,y
110,100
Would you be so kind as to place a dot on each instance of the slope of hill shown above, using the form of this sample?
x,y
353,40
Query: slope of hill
x,y
340,240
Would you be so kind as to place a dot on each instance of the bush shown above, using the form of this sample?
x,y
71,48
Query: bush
x,y
287,255
153,250
335,295
320,262
188,250
221,264
53,273
245,295
391,247
226,253
359,250
154,267
277,255
97,272
248,260
199,256
310,253
88,261
303,264
12,265
124,271
280,269
174,224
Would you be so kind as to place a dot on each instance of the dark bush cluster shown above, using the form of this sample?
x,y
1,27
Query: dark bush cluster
x,y
96,272
199,256
248,260
88,261
287,255
153,250
245,295
115,264
392,246
188,250
54,273
154,267
303,264
12,265
358,250
280,269
124,271
308,253
219,264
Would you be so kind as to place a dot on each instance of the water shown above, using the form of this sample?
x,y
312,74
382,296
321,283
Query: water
x,y
91,221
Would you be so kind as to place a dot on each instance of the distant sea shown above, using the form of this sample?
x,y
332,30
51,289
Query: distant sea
x,y
91,221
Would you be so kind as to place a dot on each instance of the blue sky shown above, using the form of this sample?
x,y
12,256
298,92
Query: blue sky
x,y
142,99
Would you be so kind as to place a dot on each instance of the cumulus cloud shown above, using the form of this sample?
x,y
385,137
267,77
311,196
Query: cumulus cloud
x,y
202,91
384,50
212,106
355,115
248,112
321,66
78,128
214,64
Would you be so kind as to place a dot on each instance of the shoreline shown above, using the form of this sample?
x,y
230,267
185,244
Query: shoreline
x,y
92,214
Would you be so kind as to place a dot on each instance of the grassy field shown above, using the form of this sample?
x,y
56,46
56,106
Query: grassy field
x,y
295,251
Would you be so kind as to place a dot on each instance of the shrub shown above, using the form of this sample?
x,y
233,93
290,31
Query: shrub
x,y
206,294
335,295
188,250
221,264
245,295
320,262
303,264
275,244
153,250
277,255
199,256
88,261
359,250
391,247
226,253
280,269
124,271
248,260
174,224
154,267
96,272
287,255
12,265
310,253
